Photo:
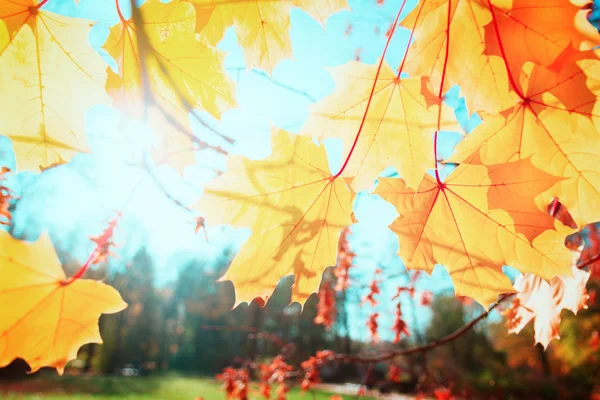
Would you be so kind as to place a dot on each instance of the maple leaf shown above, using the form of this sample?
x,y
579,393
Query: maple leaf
x,y
181,72
262,26
457,42
543,302
513,195
397,130
542,30
296,210
554,122
449,47
174,55
454,223
50,75
538,91
45,317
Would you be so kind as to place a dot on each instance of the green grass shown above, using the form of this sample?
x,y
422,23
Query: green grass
x,y
124,388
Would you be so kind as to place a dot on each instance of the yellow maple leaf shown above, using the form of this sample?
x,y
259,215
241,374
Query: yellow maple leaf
x,y
49,77
44,317
295,208
397,130
181,72
453,31
194,70
452,223
262,26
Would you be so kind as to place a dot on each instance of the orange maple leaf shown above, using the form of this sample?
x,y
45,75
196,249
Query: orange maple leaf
x,y
537,32
466,33
296,210
555,122
45,317
455,224
50,77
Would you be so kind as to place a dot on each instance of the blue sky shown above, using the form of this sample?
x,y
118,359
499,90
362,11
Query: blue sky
x,y
75,201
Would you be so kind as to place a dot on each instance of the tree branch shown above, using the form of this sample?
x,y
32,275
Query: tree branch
x,y
430,346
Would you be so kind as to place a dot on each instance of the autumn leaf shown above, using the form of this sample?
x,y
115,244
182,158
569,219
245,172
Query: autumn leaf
x,y
181,72
194,70
543,302
463,224
49,77
296,210
536,89
449,48
262,26
573,80
512,186
542,30
555,123
44,317
397,130
457,42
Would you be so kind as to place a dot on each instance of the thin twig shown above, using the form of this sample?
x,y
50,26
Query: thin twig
x,y
148,95
589,261
389,355
275,82
151,169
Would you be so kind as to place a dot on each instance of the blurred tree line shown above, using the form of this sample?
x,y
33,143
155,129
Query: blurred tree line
x,y
189,326
488,362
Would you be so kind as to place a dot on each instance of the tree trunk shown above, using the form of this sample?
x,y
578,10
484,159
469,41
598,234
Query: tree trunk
x,y
347,342
91,351
546,370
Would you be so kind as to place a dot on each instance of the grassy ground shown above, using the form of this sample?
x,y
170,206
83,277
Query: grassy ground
x,y
123,388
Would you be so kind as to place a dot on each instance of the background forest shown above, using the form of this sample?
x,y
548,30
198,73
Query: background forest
x,y
188,327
